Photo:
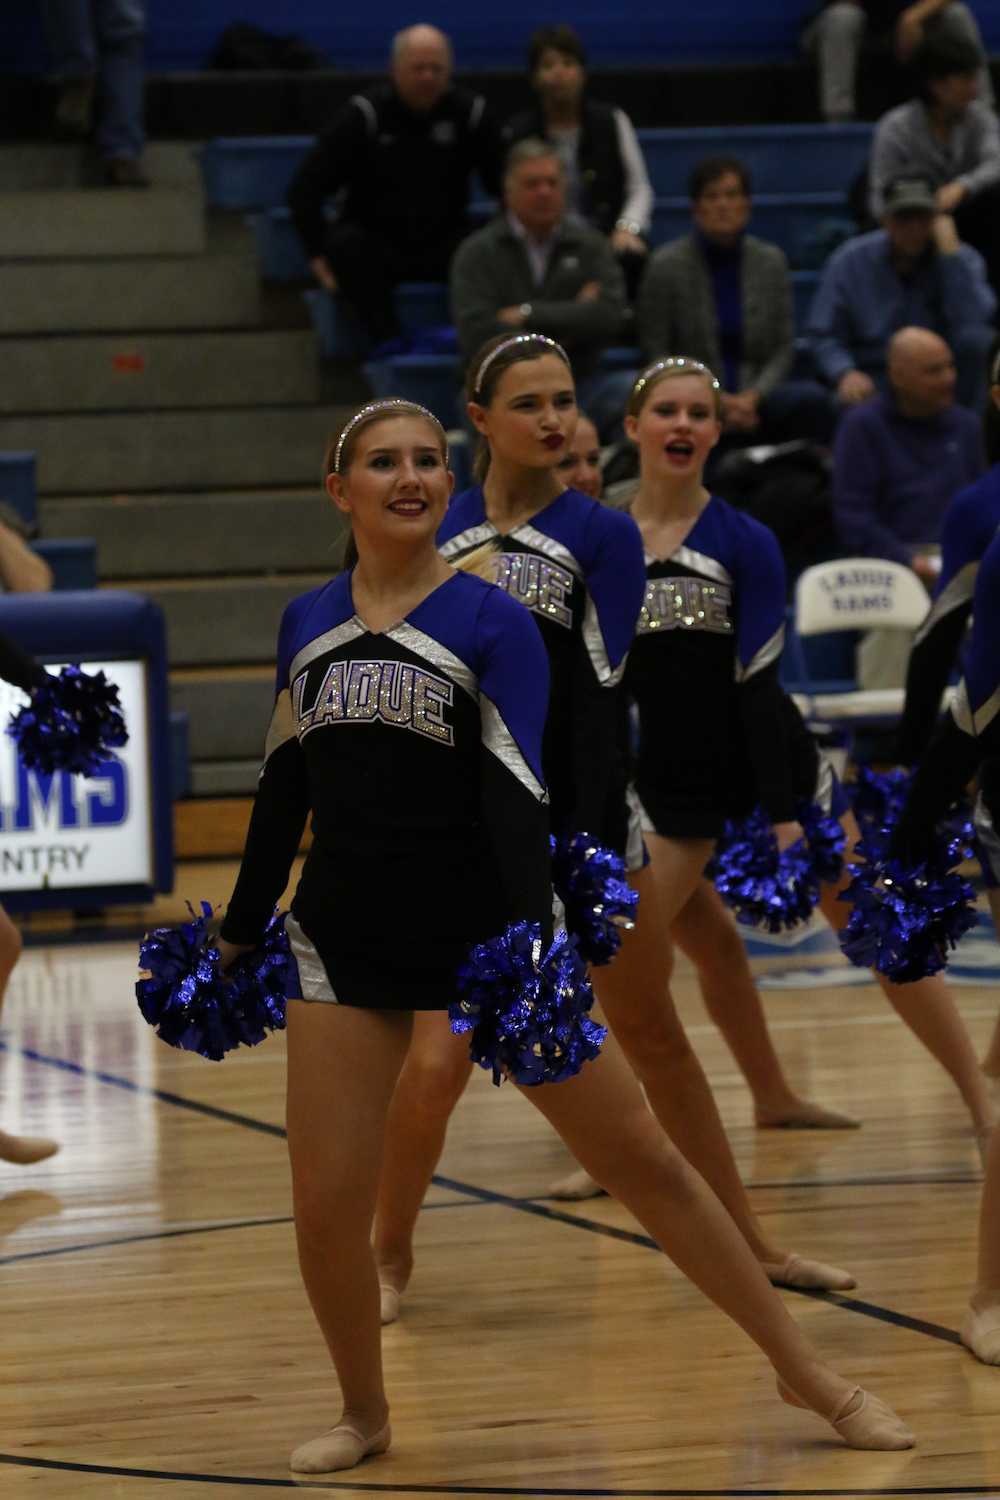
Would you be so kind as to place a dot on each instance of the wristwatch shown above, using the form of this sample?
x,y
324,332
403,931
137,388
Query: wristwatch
x,y
525,310
631,226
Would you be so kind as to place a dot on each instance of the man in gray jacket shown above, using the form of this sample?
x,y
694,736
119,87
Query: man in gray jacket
x,y
532,268
725,297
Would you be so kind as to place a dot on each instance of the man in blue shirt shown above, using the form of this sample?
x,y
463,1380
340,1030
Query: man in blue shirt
x,y
914,272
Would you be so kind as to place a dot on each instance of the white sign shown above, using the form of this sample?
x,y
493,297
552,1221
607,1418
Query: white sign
x,y
71,831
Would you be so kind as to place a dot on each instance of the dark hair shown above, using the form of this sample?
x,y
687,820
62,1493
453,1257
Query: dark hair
x,y
482,389
943,56
561,38
991,416
706,172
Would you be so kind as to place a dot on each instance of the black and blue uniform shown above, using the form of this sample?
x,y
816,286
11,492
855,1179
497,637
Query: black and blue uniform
x,y
972,521
968,739
577,566
717,732
417,750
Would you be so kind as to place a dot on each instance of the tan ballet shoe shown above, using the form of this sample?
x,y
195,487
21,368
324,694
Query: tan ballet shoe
x,y
340,1448
862,1420
576,1187
797,1271
25,1150
390,1299
806,1116
981,1327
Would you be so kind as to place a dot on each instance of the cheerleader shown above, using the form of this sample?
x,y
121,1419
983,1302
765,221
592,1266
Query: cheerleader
x,y
409,715
580,467
709,639
21,671
578,566
969,740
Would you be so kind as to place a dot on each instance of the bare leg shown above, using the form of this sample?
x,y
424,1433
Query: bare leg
x,y
706,932
432,1081
22,1150
635,995
928,1009
981,1328
342,1068
603,1119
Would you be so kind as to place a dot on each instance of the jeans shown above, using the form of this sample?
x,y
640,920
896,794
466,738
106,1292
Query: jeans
x,y
103,39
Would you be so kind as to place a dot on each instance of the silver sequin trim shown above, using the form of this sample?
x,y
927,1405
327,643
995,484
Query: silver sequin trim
x,y
593,639
823,792
314,981
281,727
466,541
431,650
700,562
547,545
984,716
635,849
958,592
646,824
768,653
500,742
350,630
987,835
960,710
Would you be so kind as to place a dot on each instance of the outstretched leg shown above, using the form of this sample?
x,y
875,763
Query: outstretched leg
x,y
21,1150
981,1327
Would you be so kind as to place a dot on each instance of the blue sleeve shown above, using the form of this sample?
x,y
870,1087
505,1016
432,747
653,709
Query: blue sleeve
x,y
827,329
856,488
616,583
513,702
760,589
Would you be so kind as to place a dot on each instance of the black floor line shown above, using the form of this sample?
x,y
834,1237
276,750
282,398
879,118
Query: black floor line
x,y
484,1195
528,1492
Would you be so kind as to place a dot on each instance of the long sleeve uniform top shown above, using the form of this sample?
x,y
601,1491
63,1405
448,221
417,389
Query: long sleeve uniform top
x,y
578,567
703,671
417,751
403,174
894,477
17,667
862,300
972,522
906,146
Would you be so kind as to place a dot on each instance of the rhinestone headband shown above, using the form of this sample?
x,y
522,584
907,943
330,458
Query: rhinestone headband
x,y
511,343
675,362
387,406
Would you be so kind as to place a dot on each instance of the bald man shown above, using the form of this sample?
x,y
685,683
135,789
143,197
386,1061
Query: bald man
x,y
403,156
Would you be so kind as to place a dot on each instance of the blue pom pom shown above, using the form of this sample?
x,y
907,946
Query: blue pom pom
x,y
72,723
591,883
194,1005
877,797
825,841
528,1014
904,922
763,887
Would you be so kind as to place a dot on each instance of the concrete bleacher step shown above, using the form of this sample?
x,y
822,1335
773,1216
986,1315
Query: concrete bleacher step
x,y
225,621
252,531
158,370
228,709
31,165
100,453
83,296
52,224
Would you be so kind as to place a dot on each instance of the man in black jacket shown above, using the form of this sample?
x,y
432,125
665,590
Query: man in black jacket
x,y
402,155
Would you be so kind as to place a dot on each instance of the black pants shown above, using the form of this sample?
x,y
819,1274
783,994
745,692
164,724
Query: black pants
x,y
978,223
369,265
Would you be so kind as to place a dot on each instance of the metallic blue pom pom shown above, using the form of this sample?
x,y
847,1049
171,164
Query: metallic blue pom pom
x,y
825,841
763,887
528,1014
877,797
591,883
72,723
194,1005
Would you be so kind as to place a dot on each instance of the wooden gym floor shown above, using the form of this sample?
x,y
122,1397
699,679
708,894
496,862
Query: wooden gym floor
x,y
157,1343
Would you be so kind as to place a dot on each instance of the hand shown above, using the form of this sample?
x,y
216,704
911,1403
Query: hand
x,y
950,196
323,272
854,387
624,242
230,952
511,317
909,34
741,411
787,834
926,566
946,235
589,292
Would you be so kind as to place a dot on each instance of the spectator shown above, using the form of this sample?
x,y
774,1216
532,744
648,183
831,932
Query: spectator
x,y
533,268
724,297
836,34
22,571
607,184
404,154
913,272
897,463
96,50
949,137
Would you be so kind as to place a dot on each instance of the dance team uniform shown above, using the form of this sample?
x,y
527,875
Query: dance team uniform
x,y
968,739
717,732
417,750
577,566
972,521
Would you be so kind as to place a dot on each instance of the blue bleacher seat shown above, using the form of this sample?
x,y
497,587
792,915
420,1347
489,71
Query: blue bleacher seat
x,y
73,561
431,379
244,172
280,256
780,158
787,219
804,284
419,304
17,484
